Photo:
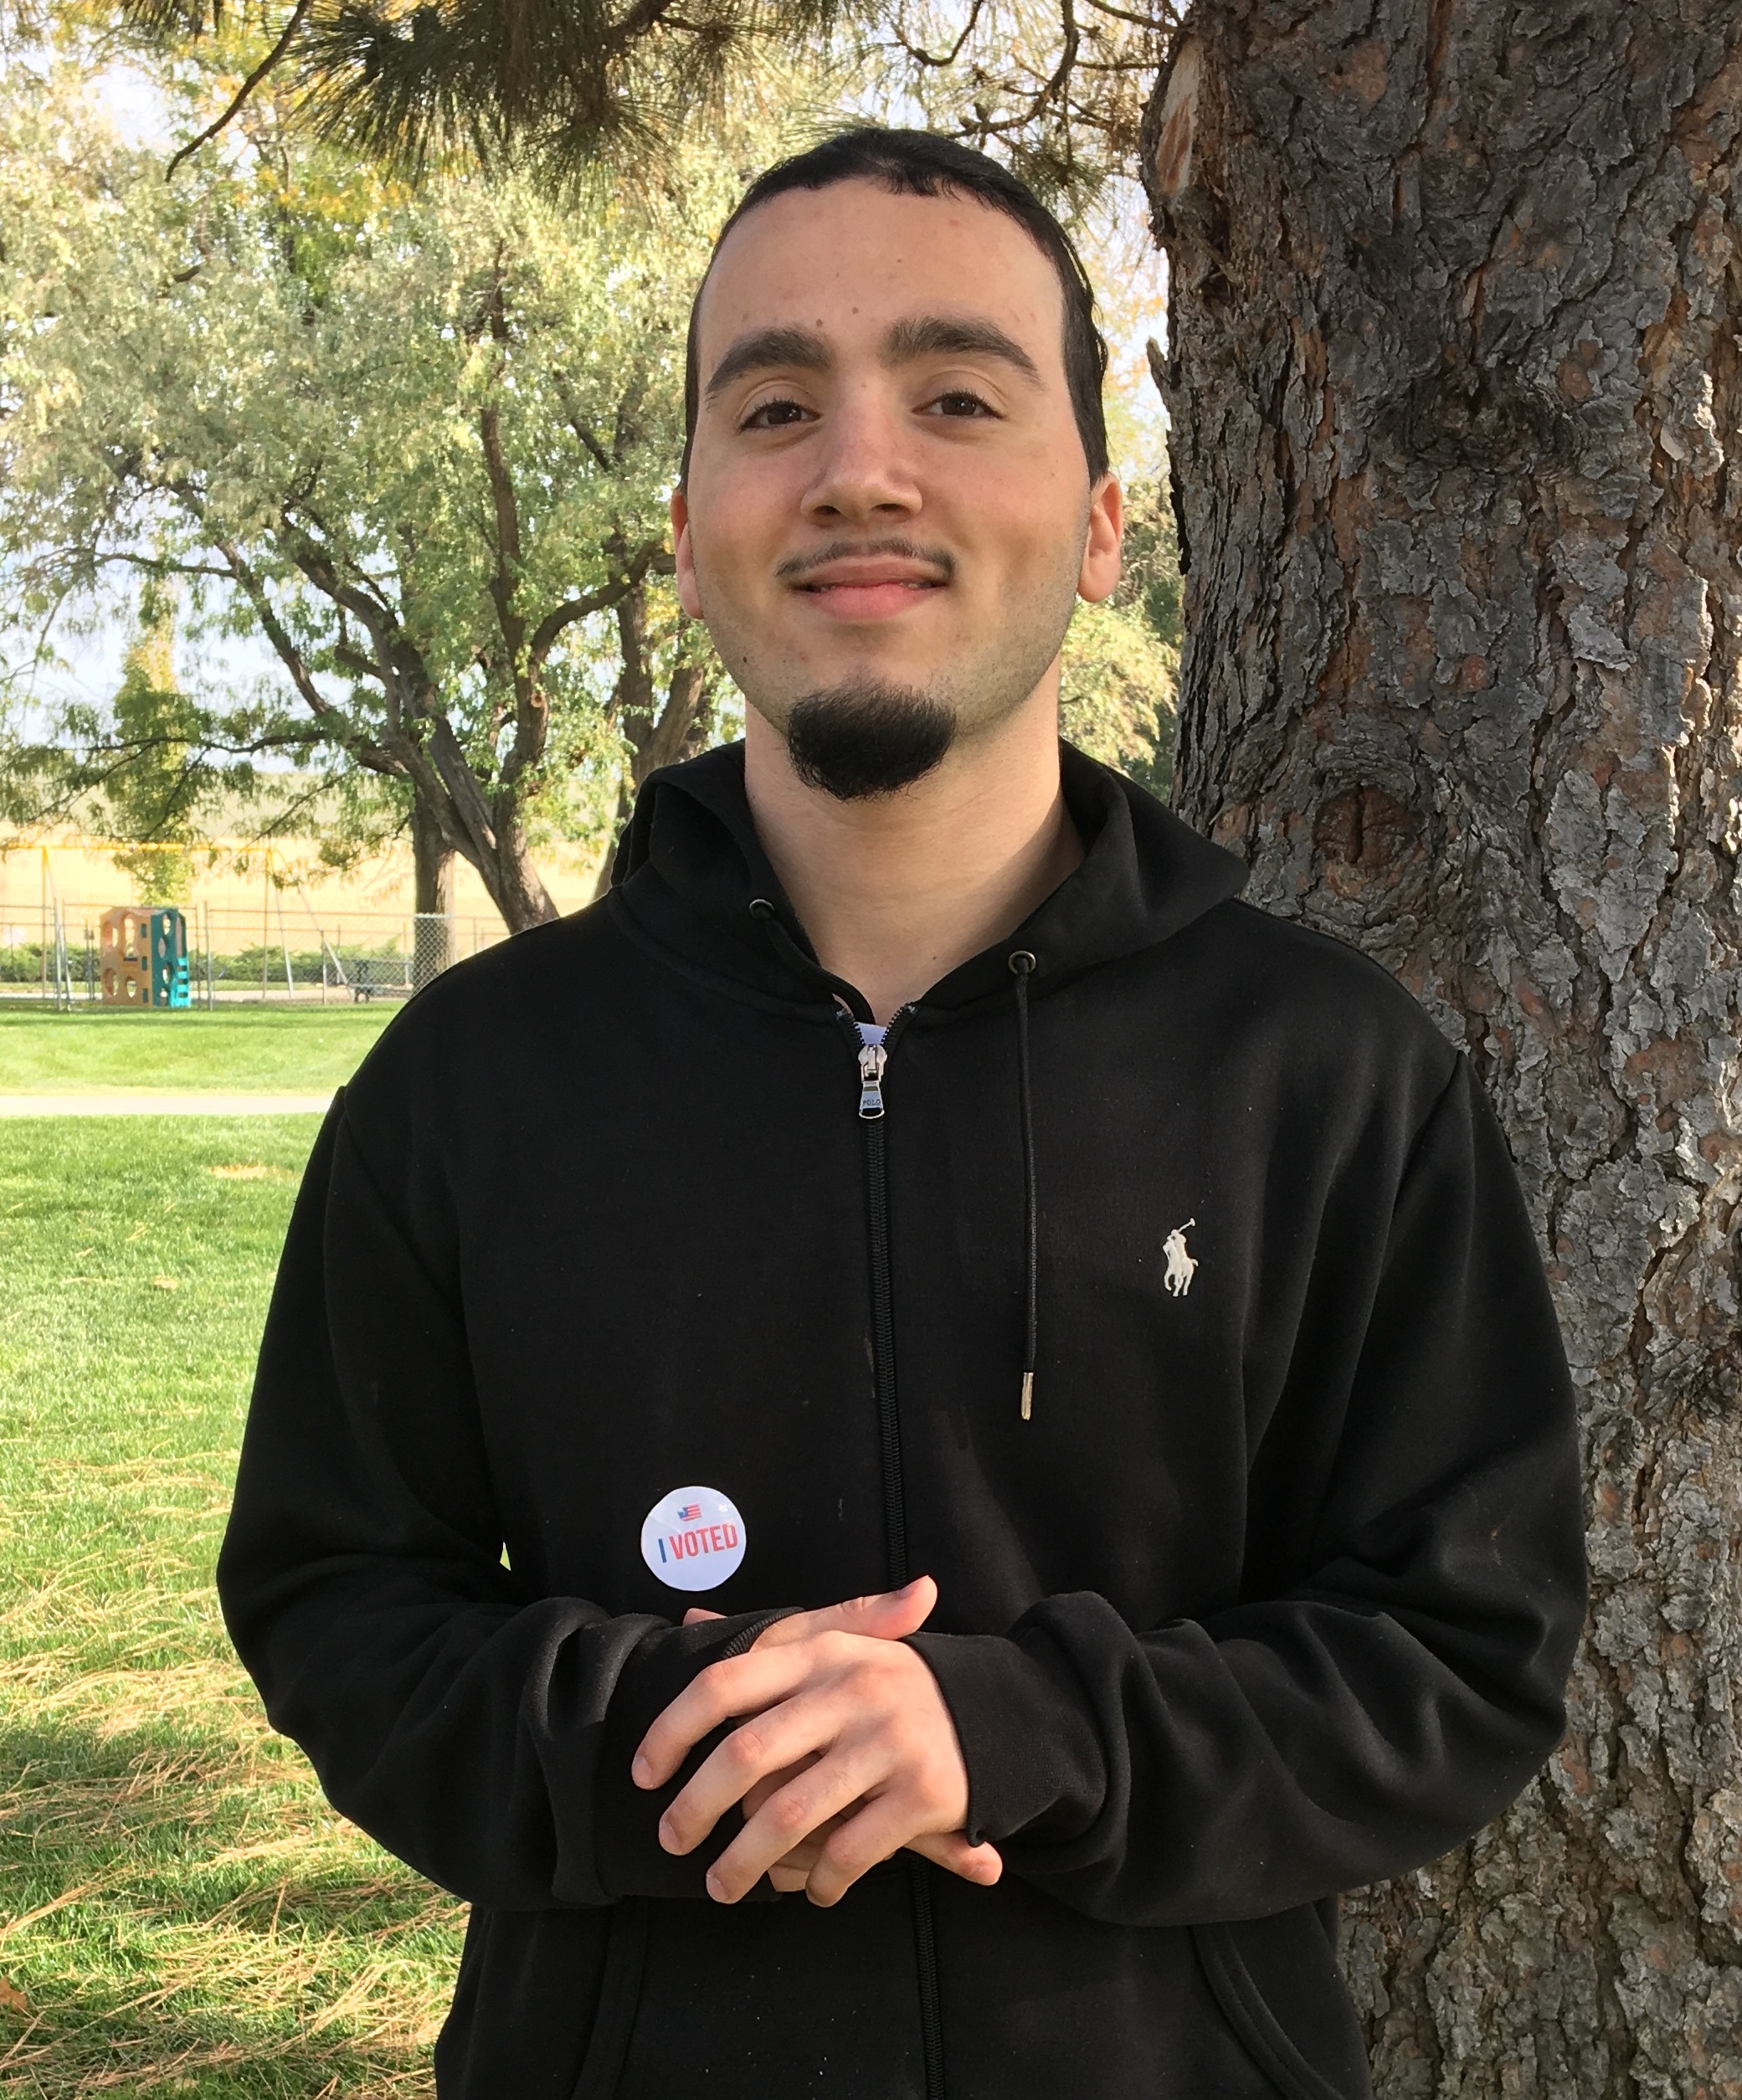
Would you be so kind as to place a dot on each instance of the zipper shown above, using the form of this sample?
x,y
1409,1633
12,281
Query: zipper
x,y
873,1047
872,1058
931,2007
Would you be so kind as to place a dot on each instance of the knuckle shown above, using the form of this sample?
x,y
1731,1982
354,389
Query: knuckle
x,y
706,1697
744,1748
727,1674
928,1786
791,1813
851,1853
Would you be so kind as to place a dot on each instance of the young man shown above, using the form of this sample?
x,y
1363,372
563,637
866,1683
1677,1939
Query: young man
x,y
921,1181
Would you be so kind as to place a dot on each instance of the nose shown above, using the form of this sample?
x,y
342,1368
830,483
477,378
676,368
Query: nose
x,y
864,472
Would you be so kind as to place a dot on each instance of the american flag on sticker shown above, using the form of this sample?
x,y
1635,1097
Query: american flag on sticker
x,y
689,1513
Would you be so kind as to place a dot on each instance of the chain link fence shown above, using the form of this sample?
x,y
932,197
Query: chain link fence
x,y
284,953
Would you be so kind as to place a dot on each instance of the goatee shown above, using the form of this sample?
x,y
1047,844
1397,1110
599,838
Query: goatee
x,y
855,742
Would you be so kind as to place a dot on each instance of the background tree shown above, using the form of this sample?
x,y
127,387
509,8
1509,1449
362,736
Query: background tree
x,y
1457,402
561,90
1056,86
1121,657
417,443
154,798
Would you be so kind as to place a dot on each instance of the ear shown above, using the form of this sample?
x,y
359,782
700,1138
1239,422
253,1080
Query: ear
x,y
1099,575
684,555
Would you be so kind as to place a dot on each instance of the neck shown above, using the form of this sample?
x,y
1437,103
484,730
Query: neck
x,y
895,891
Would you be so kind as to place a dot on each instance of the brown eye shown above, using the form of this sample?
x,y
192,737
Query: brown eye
x,y
959,401
774,415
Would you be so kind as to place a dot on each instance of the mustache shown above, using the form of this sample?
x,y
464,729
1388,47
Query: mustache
x,y
937,557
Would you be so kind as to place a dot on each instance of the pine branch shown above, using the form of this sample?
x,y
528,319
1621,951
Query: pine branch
x,y
273,60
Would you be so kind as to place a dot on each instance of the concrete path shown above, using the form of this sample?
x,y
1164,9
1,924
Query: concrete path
x,y
149,1104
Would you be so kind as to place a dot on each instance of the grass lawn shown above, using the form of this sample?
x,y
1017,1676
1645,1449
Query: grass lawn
x,y
233,1050
180,1912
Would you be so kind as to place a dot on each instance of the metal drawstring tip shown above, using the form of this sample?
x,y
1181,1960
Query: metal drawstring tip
x,y
1028,1394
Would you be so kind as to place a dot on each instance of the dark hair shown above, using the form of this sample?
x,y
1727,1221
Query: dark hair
x,y
919,164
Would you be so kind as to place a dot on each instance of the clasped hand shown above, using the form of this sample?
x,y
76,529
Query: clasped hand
x,y
845,1753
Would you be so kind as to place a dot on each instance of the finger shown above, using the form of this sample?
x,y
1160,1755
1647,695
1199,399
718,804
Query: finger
x,y
830,1790
696,1613
791,1873
772,1782
793,1734
889,1615
981,1864
724,1691
887,1825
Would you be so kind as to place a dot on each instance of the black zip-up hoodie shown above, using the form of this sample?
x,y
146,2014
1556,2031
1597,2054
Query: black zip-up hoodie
x,y
1271,1594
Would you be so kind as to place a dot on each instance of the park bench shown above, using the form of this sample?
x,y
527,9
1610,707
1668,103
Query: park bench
x,y
370,977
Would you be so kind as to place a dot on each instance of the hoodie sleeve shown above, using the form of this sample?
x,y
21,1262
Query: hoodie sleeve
x,y
482,1735
1400,1688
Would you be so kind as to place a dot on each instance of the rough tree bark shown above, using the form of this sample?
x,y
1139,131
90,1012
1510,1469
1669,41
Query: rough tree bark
x,y
1456,385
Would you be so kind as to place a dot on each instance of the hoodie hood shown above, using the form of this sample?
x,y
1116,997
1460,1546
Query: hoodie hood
x,y
692,875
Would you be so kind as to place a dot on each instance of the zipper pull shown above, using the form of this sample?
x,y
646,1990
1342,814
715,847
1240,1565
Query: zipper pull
x,y
873,1058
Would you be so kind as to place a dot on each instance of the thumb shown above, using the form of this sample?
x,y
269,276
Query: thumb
x,y
696,1613
891,1615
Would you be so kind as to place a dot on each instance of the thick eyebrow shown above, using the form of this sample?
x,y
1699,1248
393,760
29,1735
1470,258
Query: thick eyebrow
x,y
926,336
765,348
955,335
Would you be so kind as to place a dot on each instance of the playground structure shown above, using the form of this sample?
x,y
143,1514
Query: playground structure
x,y
66,952
143,956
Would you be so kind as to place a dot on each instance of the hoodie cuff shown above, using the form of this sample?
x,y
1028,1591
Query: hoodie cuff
x,y
628,1855
1035,1769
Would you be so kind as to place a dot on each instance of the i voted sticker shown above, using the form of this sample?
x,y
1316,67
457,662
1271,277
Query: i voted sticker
x,y
693,1538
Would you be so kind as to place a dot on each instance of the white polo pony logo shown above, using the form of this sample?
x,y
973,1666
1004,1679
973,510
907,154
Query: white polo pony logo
x,y
1181,1267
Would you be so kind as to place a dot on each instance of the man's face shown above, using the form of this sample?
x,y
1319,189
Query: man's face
x,y
887,505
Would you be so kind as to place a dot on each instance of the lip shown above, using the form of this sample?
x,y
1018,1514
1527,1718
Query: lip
x,y
869,589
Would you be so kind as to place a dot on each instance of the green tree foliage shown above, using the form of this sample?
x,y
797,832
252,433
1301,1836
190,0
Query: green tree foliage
x,y
1056,85
568,88
417,442
153,790
1121,658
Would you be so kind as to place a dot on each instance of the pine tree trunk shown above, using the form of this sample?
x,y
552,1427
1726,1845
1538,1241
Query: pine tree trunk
x,y
1456,384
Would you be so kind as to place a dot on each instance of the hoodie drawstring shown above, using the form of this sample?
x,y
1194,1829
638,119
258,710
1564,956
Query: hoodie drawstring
x,y
1022,965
